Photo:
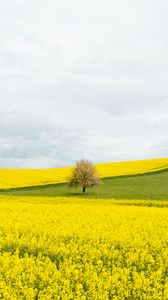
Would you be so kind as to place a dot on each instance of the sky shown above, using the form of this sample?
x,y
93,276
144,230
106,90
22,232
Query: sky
x,y
82,79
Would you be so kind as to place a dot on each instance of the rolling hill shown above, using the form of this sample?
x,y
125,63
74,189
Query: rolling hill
x,y
142,186
17,178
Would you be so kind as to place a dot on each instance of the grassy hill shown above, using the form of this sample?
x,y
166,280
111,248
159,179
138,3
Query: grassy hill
x,y
16,178
142,186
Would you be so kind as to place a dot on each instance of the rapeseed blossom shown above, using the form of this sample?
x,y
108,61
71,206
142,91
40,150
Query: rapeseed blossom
x,y
59,248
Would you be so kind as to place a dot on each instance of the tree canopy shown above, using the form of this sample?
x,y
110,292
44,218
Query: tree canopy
x,y
84,175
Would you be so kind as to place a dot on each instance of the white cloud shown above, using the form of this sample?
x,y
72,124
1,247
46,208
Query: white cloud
x,y
82,79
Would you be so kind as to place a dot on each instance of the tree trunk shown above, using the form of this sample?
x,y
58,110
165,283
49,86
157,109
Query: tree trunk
x,y
84,189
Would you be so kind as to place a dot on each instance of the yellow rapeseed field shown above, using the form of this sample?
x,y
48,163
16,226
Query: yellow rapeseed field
x,y
13,178
59,248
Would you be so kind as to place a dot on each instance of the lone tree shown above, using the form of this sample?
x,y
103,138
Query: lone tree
x,y
84,175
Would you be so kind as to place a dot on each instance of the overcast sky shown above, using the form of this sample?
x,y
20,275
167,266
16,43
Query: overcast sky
x,y
82,79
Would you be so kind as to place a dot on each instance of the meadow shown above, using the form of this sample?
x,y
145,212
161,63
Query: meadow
x,y
111,243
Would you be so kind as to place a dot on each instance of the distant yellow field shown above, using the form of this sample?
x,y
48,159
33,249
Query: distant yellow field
x,y
132,167
13,178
